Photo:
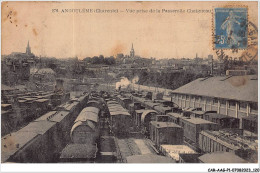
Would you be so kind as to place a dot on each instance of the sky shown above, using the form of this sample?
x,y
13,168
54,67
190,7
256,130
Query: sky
x,y
70,34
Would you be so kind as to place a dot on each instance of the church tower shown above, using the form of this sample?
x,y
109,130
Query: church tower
x,y
132,52
28,49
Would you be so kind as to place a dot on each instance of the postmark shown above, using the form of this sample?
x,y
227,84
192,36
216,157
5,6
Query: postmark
x,y
230,27
250,54
243,49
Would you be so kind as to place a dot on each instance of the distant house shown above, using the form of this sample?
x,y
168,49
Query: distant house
x,y
44,74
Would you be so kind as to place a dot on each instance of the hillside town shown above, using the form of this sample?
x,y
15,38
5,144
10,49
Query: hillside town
x,y
175,110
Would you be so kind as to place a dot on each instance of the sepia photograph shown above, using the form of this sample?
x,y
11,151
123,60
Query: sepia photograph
x,y
132,82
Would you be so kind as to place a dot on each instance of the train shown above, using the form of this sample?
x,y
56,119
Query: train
x,y
115,127
42,139
192,120
90,136
26,107
250,124
84,135
120,119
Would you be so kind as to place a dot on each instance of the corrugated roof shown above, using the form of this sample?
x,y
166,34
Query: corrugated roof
x,y
221,157
233,88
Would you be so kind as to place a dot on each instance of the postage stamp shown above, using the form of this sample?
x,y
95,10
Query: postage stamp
x,y
230,28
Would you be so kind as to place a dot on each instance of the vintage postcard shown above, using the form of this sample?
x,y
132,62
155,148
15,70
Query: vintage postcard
x,y
130,82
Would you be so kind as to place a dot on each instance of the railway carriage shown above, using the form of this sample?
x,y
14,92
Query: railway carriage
x,y
162,109
193,126
120,122
84,135
86,127
250,124
31,144
146,117
165,133
224,121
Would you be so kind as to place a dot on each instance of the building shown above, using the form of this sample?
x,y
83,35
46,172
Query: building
x,y
132,52
28,56
28,49
234,96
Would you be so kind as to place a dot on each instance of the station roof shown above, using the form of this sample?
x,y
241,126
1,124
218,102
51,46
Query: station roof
x,y
221,157
241,88
149,158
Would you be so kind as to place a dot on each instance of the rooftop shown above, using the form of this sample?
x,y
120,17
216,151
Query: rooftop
x,y
198,121
244,88
13,142
164,124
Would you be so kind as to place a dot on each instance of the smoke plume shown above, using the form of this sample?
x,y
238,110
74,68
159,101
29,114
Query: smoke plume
x,y
123,83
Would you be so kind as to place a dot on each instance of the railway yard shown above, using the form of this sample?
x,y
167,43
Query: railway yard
x,y
118,127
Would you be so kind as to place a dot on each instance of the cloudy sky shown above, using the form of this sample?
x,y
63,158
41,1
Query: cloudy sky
x,y
159,35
